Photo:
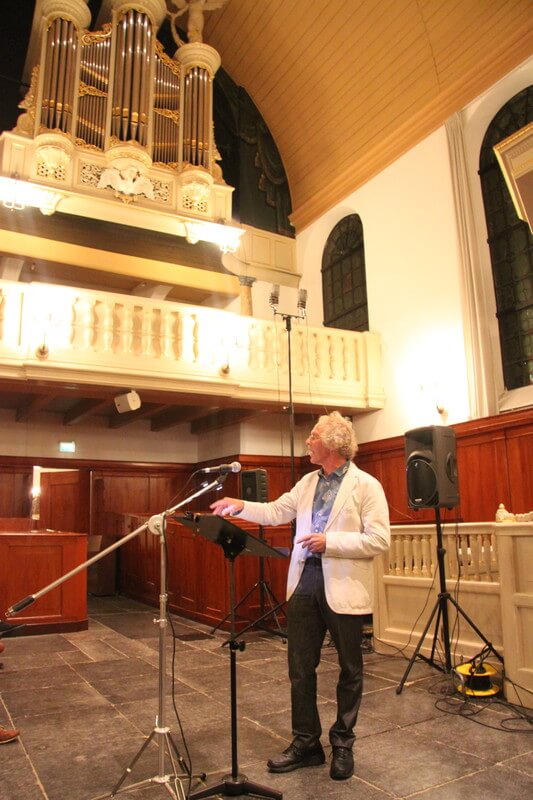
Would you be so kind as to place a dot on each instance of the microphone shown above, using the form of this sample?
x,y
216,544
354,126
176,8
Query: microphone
x,y
274,295
223,469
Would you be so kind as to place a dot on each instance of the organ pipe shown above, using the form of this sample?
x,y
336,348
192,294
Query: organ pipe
x,y
118,85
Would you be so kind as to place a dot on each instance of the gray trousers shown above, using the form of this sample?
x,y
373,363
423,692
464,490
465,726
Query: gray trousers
x,y
309,617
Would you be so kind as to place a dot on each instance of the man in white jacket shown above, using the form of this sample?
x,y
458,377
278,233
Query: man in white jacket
x,y
342,522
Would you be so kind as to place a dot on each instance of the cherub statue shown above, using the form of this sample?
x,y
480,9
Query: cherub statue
x,y
127,182
195,17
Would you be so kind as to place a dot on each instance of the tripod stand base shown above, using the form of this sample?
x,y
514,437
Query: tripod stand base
x,y
275,607
233,787
172,782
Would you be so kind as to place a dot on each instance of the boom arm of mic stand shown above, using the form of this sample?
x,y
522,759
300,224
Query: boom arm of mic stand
x,y
154,525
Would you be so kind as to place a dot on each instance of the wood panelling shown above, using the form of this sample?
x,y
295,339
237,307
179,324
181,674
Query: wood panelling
x,y
494,464
64,501
14,524
29,562
520,467
15,485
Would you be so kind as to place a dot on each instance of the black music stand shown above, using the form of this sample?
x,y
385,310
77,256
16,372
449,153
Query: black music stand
x,y
233,541
265,594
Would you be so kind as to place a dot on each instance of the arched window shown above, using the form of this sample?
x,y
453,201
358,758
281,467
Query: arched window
x,y
344,277
511,247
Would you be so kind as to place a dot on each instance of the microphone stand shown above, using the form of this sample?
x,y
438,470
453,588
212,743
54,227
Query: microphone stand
x,y
287,319
161,733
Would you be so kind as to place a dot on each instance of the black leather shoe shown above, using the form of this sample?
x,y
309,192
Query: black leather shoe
x,y
295,757
341,764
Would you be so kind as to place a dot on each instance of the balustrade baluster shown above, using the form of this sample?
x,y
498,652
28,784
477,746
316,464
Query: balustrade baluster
x,y
269,357
124,329
83,323
426,557
254,346
147,333
303,368
494,554
417,556
487,555
168,333
189,346
408,555
398,556
451,549
103,327
335,360
475,570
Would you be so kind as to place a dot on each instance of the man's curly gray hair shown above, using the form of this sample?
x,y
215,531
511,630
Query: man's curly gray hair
x,y
337,433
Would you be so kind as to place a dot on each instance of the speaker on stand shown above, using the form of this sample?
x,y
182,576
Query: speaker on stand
x,y
254,488
432,482
431,467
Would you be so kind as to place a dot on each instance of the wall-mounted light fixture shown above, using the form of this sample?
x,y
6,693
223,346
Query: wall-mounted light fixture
x,y
16,194
227,237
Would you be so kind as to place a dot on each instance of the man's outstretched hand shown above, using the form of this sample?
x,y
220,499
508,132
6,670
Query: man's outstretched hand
x,y
227,506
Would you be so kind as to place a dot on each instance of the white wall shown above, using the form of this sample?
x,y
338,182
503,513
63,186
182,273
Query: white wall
x,y
413,285
267,434
40,438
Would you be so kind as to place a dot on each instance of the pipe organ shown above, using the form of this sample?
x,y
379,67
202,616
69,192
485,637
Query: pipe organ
x,y
111,114
93,89
61,48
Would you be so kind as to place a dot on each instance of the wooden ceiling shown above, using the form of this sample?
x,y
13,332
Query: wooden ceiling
x,y
347,86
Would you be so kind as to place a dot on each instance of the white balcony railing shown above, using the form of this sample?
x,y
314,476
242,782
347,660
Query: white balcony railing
x,y
488,574
470,551
68,334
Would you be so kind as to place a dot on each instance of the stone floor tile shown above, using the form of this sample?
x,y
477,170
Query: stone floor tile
x,y
31,680
134,624
23,704
495,782
480,735
402,763
410,707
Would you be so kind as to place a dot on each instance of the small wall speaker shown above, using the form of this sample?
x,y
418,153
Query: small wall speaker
x,y
254,485
127,402
431,467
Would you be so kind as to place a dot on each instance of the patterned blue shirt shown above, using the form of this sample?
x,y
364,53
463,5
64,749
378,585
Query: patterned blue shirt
x,y
325,494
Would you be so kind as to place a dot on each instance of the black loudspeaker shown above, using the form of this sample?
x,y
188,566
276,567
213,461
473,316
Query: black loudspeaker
x,y
254,485
431,467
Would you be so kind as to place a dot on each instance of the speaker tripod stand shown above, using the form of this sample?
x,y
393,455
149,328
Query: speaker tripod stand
x,y
441,610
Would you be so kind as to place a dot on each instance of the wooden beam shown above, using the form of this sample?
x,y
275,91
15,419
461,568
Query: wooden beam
x,y
178,415
83,409
222,418
32,406
146,410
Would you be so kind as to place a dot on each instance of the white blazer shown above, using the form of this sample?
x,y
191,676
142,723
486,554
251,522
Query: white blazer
x,y
357,529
